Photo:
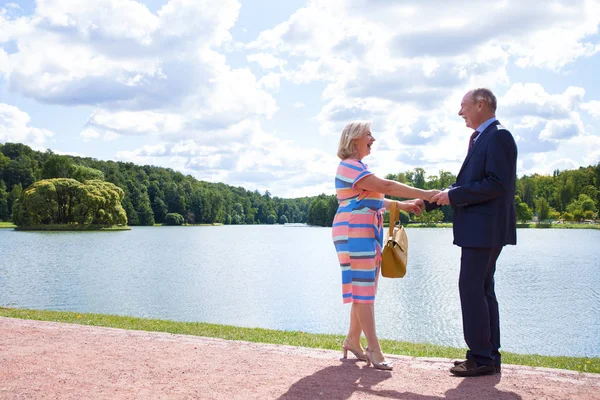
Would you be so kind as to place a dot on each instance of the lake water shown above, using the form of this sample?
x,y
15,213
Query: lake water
x,y
288,278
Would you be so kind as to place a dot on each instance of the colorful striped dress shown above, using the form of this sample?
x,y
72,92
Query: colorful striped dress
x,y
357,233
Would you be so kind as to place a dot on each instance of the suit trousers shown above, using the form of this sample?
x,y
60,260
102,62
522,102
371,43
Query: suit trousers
x,y
481,320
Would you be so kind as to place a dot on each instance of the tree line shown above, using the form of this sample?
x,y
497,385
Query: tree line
x,y
570,195
151,193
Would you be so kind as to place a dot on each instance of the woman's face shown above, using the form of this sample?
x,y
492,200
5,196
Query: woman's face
x,y
363,144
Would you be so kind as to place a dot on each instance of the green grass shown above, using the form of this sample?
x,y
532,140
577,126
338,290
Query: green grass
x,y
434,225
73,227
7,225
519,225
215,224
292,338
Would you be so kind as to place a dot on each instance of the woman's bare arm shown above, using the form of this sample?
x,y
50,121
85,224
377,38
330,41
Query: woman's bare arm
x,y
393,188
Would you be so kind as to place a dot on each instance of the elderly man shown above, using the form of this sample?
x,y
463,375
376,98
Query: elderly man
x,y
484,222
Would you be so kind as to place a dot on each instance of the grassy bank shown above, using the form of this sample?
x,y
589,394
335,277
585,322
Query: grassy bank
x,y
215,224
7,225
303,339
525,225
73,227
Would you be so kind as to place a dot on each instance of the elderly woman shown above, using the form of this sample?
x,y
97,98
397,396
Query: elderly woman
x,y
358,235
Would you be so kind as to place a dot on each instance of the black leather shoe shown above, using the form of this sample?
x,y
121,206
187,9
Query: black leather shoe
x,y
498,367
470,368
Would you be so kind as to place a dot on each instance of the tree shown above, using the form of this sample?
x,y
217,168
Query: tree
x,y
57,166
159,208
430,217
19,171
582,203
4,210
318,212
173,219
83,173
542,207
67,201
524,213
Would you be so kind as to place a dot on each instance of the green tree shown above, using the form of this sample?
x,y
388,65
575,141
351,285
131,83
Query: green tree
x,y
430,217
582,203
57,166
83,173
173,219
159,208
4,210
20,171
542,207
66,201
318,212
14,195
524,213
271,219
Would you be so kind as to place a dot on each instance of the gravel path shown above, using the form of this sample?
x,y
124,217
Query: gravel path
x,y
49,360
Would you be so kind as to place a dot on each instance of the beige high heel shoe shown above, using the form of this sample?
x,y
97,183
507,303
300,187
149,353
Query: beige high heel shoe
x,y
385,365
357,353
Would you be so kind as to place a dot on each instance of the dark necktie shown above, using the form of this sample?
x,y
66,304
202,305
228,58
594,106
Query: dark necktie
x,y
473,136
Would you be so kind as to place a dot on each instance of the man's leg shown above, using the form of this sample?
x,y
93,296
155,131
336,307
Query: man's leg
x,y
474,272
493,306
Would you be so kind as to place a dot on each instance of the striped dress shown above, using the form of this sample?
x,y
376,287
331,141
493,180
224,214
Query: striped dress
x,y
357,233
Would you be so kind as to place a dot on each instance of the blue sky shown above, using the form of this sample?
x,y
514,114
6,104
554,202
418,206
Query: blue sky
x,y
255,93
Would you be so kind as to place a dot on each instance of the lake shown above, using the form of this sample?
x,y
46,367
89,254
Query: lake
x,y
288,278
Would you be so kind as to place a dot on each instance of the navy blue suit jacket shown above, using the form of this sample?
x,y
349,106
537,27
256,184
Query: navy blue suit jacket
x,y
483,197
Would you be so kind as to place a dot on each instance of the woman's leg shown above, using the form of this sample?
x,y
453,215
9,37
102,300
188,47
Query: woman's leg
x,y
366,318
355,329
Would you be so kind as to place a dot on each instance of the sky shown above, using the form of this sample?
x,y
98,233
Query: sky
x,y
255,93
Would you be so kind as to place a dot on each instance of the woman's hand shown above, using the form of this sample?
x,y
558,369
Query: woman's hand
x,y
413,206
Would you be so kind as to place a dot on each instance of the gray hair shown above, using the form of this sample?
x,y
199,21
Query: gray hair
x,y
353,130
484,94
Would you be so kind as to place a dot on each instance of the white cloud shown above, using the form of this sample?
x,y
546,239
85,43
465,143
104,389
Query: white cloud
x,y
179,88
256,161
14,127
119,55
532,99
136,122
559,130
267,61
592,107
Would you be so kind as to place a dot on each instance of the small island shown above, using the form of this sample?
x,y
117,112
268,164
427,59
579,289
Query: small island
x,y
66,204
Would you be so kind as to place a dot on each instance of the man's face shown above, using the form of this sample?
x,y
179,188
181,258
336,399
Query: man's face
x,y
471,111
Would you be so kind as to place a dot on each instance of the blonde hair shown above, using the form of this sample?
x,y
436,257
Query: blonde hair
x,y
353,130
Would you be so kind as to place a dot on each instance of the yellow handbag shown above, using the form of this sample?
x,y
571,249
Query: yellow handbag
x,y
395,248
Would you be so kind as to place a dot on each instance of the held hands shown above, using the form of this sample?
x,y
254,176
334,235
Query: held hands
x,y
441,198
430,194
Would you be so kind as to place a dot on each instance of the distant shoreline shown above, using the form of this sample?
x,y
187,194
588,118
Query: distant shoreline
x,y
64,228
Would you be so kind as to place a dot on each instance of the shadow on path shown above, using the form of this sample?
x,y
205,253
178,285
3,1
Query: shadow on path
x,y
342,381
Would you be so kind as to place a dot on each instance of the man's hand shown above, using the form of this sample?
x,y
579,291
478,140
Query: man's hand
x,y
441,198
431,193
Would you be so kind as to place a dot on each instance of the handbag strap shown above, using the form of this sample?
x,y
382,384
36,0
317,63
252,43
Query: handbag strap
x,y
393,218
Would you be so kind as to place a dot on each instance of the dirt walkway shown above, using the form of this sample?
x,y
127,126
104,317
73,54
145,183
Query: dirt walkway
x,y
48,360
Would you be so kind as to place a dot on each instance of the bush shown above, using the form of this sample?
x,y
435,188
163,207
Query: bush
x,y
567,216
173,219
